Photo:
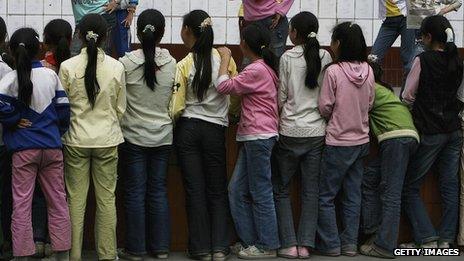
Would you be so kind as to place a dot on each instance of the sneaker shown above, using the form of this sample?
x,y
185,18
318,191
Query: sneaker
x,y
409,245
289,252
220,256
442,244
48,250
160,255
124,255
60,256
432,244
303,252
371,250
349,250
201,257
236,248
39,250
253,252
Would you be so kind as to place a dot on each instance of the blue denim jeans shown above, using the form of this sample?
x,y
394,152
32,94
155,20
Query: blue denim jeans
x,y
146,199
293,156
444,151
121,34
251,198
341,169
391,29
381,191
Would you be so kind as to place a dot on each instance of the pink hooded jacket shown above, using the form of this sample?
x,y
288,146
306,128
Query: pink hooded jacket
x,y
347,95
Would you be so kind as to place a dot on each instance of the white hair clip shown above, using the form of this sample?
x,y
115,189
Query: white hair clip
x,y
372,58
449,35
22,44
207,22
312,35
91,35
149,27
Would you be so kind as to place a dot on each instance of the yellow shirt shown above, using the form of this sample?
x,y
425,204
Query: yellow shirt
x,y
392,9
240,11
98,127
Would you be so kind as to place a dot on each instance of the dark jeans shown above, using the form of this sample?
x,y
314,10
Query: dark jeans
x,y
121,34
146,198
342,169
76,43
39,216
443,150
251,197
381,191
391,29
7,197
201,153
292,156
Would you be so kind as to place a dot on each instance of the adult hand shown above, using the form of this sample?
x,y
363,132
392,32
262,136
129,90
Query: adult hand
x,y
275,21
24,123
224,52
128,21
111,6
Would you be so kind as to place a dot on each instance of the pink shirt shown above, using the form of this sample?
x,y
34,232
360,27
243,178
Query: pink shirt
x,y
347,95
257,84
412,83
259,9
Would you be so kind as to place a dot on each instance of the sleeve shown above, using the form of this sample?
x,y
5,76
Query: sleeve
x,y
121,95
177,103
235,101
64,78
327,97
283,6
372,94
460,93
412,83
454,4
243,83
62,108
283,82
10,113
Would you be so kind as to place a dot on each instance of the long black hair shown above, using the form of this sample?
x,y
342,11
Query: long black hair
x,y
353,46
378,74
25,46
92,29
258,40
58,35
307,26
4,50
202,50
150,30
442,32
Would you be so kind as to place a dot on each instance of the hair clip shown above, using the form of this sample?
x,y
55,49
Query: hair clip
x,y
372,58
91,35
207,22
22,44
263,46
449,35
312,35
351,24
149,27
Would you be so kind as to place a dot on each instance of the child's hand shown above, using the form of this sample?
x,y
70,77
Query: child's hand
x,y
24,123
275,21
111,6
128,21
224,52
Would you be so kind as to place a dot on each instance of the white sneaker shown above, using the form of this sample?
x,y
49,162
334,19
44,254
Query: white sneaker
x,y
236,248
253,252
409,245
443,245
432,244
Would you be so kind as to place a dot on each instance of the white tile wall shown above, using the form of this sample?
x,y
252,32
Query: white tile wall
x,y
36,13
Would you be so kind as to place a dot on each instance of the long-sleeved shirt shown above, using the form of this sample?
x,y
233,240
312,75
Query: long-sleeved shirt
x,y
418,10
257,85
300,115
97,127
255,10
4,69
146,122
347,95
48,111
392,8
84,7
124,4
214,107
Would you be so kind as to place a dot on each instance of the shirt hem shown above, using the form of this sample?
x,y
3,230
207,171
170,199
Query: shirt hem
x,y
93,146
398,134
347,143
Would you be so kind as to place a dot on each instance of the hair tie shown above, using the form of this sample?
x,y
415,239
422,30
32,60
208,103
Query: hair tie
x,y
312,35
372,58
449,35
263,46
207,22
149,27
91,35
22,44
351,24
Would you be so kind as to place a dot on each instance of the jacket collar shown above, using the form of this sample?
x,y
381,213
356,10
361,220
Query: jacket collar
x,y
162,57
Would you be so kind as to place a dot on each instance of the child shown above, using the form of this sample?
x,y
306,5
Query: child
x,y
302,134
95,84
347,95
6,62
57,40
124,17
392,124
147,129
35,111
200,140
431,92
255,217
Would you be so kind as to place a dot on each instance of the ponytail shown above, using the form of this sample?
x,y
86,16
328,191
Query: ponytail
x,y
201,25
93,29
57,36
25,47
150,26
62,52
258,40
270,58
